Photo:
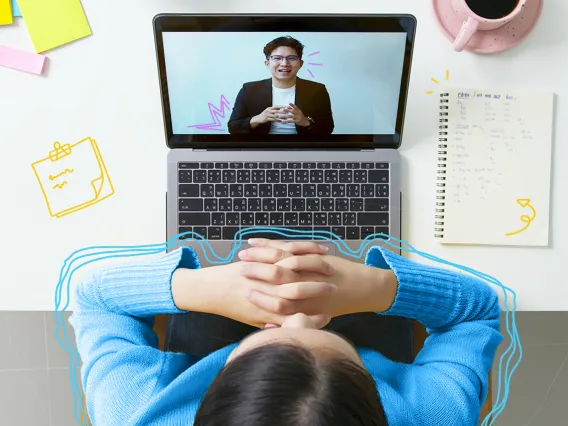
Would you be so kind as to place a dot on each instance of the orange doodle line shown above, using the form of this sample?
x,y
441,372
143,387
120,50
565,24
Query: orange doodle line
x,y
60,185
60,174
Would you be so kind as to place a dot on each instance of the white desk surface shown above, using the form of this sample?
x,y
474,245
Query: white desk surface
x,y
106,86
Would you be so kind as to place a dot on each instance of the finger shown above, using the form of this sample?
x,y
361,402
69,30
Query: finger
x,y
268,273
272,304
264,254
294,247
320,321
307,263
302,290
293,106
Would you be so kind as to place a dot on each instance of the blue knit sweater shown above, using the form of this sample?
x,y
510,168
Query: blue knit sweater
x,y
128,381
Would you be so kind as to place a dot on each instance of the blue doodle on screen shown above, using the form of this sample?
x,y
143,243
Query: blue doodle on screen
x,y
92,254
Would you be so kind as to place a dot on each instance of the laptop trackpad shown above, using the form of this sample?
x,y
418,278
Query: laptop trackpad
x,y
331,248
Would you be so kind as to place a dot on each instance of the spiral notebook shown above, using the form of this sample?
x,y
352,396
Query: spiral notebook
x,y
494,167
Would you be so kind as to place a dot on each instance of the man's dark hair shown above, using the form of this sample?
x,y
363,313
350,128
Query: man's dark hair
x,y
286,41
286,385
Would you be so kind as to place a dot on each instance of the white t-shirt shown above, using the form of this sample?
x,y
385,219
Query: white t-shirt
x,y
283,97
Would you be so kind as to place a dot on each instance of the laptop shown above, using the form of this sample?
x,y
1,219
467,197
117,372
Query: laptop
x,y
283,122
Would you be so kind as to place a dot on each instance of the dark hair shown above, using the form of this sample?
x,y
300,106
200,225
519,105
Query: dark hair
x,y
286,385
286,41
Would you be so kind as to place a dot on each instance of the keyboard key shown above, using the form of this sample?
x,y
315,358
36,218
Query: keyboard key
x,y
254,204
287,176
190,204
381,165
276,219
306,219
295,166
207,165
185,176
184,229
294,190
367,166
236,165
376,204
240,204
229,176
334,219
324,190
261,219
316,176
251,165
221,166
225,204
341,204
324,165
323,231
265,190
302,176
349,219
290,219
382,230
280,190
345,176
339,231
188,165
331,176
337,165
214,233
360,176
327,204
200,176
258,176
352,233
201,232
269,204
367,190
309,190
353,165
188,190
283,204
382,190
229,232
378,176
251,190
247,219
280,165
372,219
221,190
243,176
265,165
210,205
313,204
192,219
214,176
366,231
320,218
309,165
353,190
232,219
338,190
236,190
207,190
356,204
298,205
218,219
272,176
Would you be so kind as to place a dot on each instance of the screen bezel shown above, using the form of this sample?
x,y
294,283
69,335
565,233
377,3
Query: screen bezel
x,y
403,23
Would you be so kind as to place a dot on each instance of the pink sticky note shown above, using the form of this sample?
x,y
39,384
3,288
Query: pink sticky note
x,y
22,60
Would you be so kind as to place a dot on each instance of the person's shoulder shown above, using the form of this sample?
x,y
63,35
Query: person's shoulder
x,y
311,85
255,84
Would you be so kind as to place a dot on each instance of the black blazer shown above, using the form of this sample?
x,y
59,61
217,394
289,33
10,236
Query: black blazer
x,y
254,97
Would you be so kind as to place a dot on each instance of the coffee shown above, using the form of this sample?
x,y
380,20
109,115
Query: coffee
x,y
492,9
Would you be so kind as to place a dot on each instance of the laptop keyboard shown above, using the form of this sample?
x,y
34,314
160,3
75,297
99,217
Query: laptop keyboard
x,y
216,200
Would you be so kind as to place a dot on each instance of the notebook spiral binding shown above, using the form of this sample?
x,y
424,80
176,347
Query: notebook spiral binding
x,y
442,167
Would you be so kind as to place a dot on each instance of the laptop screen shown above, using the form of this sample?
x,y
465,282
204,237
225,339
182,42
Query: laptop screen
x,y
264,85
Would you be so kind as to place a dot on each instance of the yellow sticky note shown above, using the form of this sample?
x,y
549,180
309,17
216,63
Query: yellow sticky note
x,y
5,12
52,23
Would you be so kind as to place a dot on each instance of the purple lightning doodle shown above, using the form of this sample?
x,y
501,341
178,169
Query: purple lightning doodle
x,y
216,115
314,64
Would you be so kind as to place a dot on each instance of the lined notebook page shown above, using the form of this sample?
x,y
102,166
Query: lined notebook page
x,y
498,166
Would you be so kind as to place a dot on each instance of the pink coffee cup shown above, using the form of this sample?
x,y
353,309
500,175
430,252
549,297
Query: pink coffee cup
x,y
473,22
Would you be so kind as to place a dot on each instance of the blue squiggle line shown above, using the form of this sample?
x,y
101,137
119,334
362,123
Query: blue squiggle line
x,y
109,252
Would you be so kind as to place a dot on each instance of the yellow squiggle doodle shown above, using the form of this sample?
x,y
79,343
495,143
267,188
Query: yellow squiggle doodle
x,y
61,174
60,185
524,202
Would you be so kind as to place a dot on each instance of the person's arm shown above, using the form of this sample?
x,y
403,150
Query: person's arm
x,y
113,319
448,381
323,115
239,122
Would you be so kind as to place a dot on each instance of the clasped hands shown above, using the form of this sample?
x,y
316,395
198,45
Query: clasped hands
x,y
276,279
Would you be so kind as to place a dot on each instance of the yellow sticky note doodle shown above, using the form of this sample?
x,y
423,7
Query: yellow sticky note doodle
x,y
5,12
53,23
524,202
73,177
435,81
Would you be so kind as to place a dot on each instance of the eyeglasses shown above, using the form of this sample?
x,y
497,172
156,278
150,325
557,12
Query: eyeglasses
x,y
277,58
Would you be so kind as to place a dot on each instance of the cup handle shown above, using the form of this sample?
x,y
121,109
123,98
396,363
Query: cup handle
x,y
467,31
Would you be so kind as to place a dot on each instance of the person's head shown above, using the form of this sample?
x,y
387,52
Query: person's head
x,y
295,375
283,57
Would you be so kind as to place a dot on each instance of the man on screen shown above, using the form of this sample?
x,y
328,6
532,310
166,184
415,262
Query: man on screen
x,y
283,104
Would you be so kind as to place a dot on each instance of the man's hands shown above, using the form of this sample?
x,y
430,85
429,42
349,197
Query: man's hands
x,y
224,290
281,114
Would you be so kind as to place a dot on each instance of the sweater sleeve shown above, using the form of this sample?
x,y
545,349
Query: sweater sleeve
x,y
448,381
113,323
